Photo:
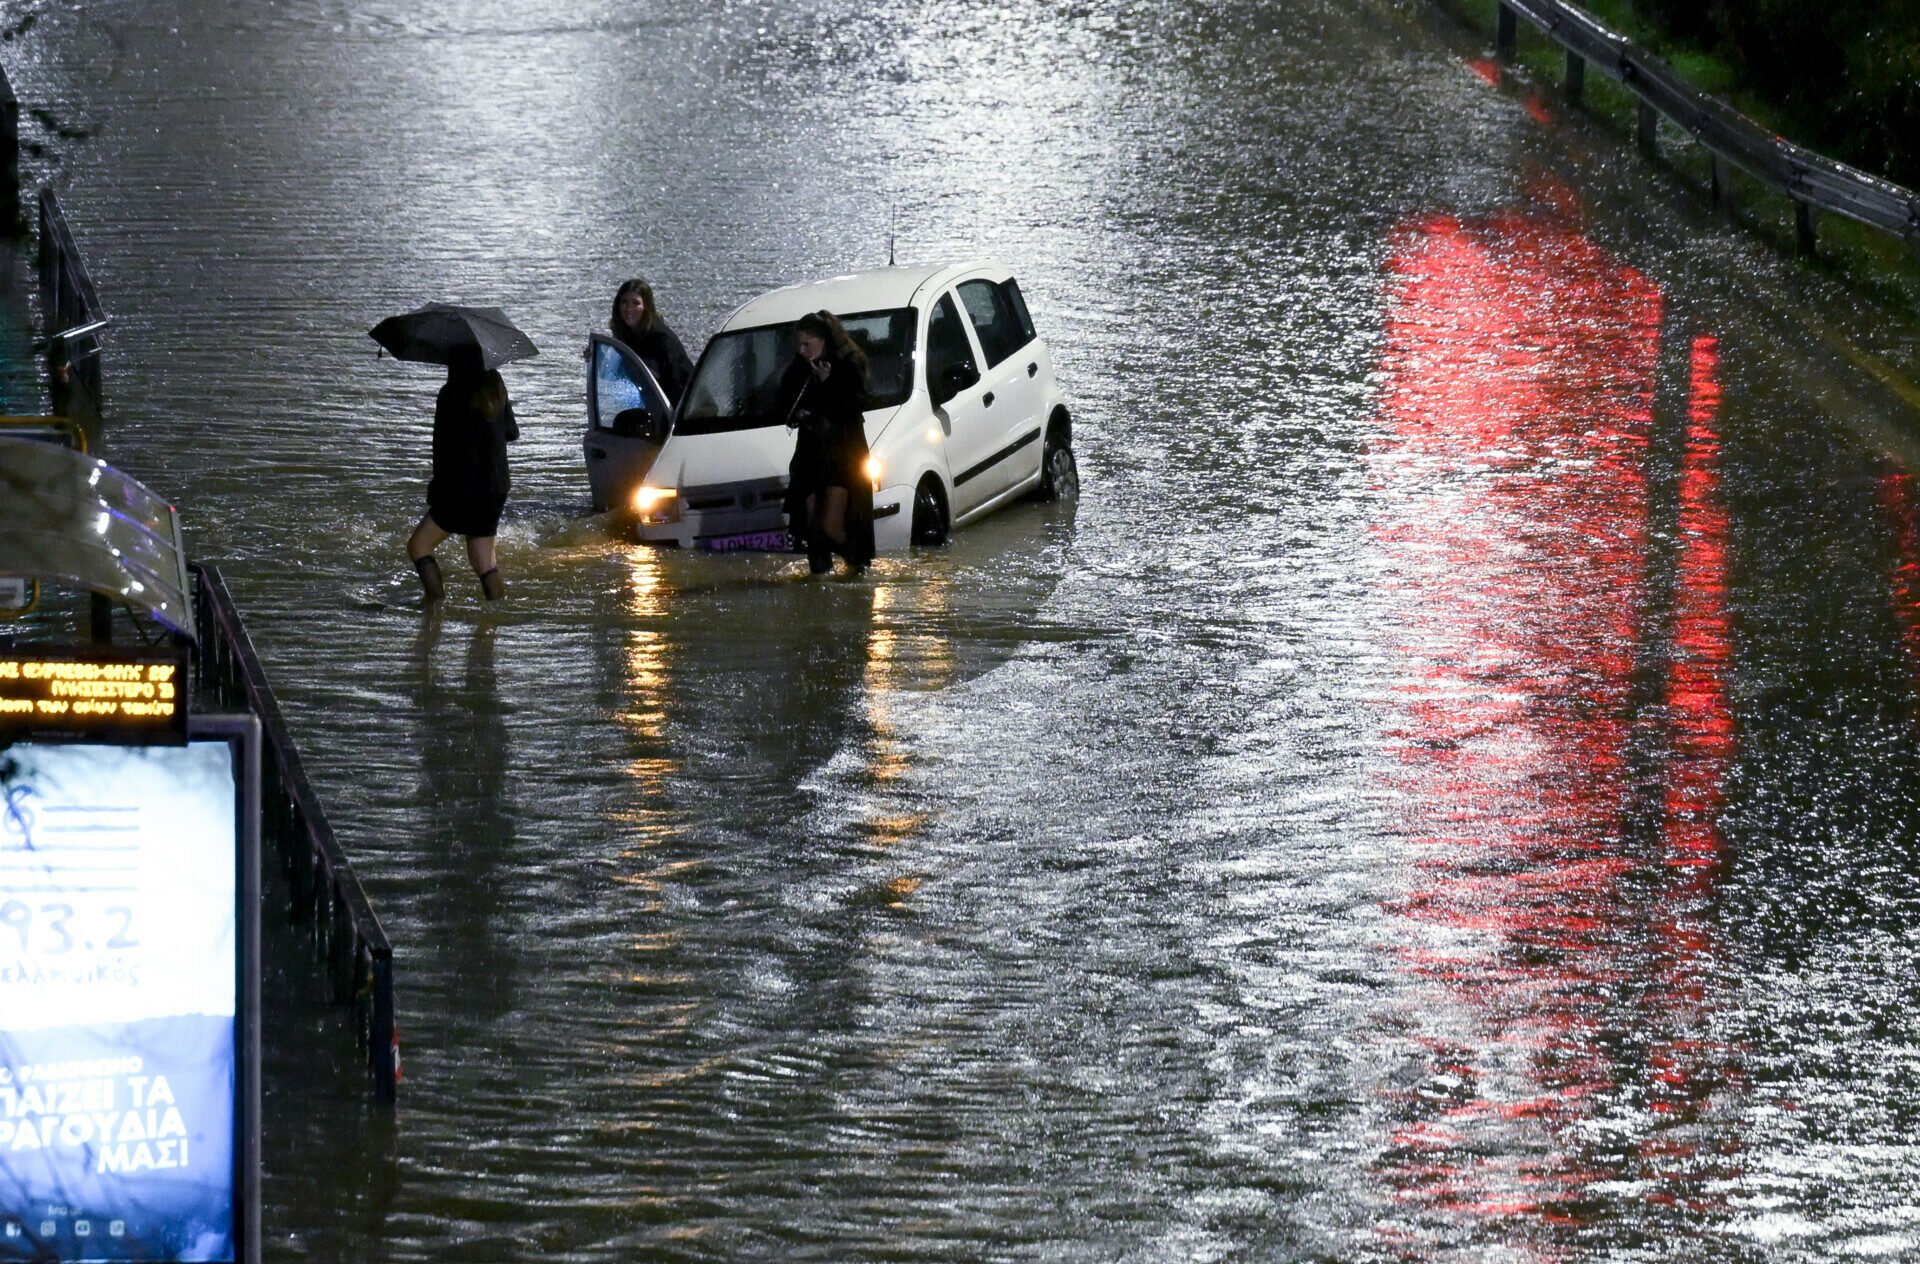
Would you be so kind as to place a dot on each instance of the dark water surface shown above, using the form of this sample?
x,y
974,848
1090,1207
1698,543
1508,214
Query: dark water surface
x,y
1445,792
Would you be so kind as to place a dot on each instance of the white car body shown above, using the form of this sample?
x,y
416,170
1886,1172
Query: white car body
x,y
960,430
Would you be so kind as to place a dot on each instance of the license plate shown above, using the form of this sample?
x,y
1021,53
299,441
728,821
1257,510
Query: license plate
x,y
775,541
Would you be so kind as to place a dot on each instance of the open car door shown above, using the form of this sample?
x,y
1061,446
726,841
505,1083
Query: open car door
x,y
627,420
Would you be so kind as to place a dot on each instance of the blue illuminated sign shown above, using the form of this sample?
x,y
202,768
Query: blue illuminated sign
x,y
124,1057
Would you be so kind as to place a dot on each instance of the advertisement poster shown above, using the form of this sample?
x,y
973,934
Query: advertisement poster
x,y
117,1002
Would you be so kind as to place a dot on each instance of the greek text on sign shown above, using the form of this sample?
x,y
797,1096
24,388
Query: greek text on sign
x,y
80,693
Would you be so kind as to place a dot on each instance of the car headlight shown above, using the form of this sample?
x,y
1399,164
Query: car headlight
x,y
876,470
656,504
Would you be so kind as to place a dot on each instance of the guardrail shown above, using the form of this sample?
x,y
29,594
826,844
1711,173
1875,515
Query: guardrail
x,y
324,891
1813,181
71,316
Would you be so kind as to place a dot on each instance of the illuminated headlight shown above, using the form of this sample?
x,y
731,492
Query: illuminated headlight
x,y
876,470
656,504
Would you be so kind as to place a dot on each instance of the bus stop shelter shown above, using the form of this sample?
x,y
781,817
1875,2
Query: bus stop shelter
x,y
71,521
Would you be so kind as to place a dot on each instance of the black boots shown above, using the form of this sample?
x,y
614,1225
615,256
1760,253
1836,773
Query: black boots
x,y
430,578
436,585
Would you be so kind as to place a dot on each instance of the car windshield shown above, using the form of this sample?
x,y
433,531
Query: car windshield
x,y
737,384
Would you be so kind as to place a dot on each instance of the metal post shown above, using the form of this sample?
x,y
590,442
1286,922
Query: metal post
x,y
1803,226
340,941
44,263
1576,83
9,124
305,882
383,1050
10,223
1648,132
1506,34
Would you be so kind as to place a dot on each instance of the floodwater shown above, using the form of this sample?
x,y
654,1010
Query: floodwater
x,y
1445,792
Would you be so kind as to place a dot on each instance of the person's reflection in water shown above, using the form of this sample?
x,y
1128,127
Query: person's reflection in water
x,y
464,758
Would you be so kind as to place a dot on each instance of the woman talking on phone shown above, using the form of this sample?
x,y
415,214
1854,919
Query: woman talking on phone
x,y
829,492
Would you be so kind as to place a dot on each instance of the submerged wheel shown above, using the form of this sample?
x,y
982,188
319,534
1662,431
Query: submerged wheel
x,y
1059,474
929,513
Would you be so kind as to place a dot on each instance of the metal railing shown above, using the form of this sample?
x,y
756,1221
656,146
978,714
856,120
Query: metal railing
x,y
324,891
1813,181
71,316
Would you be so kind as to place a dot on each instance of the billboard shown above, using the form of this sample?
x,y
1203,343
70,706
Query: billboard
x,y
128,1074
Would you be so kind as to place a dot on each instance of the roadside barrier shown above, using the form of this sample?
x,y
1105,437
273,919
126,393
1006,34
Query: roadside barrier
x,y
72,319
325,893
1811,180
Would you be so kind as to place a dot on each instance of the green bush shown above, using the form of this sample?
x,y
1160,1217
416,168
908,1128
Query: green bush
x,y
1842,76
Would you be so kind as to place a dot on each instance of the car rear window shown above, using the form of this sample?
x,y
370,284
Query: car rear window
x,y
736,385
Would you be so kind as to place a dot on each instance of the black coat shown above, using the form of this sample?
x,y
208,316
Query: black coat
x,y
660,350
470,481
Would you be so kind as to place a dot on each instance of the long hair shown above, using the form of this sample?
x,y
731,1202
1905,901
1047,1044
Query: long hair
x,y
638,285
826,326
482,387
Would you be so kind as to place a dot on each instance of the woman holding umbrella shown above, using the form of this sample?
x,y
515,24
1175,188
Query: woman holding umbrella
x,y
472,425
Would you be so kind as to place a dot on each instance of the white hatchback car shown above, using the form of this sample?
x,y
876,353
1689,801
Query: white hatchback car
x,y
965,415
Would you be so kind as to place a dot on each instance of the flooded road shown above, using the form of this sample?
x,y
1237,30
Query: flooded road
x,y
1443,793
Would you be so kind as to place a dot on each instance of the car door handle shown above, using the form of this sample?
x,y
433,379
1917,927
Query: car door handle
x,y
598,454
986,401
1033,368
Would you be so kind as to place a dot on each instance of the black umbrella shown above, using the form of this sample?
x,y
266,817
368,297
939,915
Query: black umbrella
x,y
438,330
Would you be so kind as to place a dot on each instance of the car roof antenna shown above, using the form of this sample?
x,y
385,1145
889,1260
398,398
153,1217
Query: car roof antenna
x,y
892,207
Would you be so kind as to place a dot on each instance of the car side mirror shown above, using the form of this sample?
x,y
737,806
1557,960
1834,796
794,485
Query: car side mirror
x,y
953,379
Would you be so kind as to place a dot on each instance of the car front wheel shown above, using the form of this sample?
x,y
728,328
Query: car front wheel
x,y
929,513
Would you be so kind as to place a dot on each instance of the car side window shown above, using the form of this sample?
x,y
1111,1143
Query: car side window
x,y
621,405
950,366
1017,303
993,320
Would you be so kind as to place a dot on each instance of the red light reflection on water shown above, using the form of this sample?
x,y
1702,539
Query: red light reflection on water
x,y
1702,638
1521,366
1684,1071
1900,504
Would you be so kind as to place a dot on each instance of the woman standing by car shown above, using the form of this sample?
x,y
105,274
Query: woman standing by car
x,y
472,425
829,491
637,323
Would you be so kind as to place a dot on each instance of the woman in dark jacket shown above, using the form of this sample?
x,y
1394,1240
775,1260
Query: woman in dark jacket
x,y
829,491
472,425
637,323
